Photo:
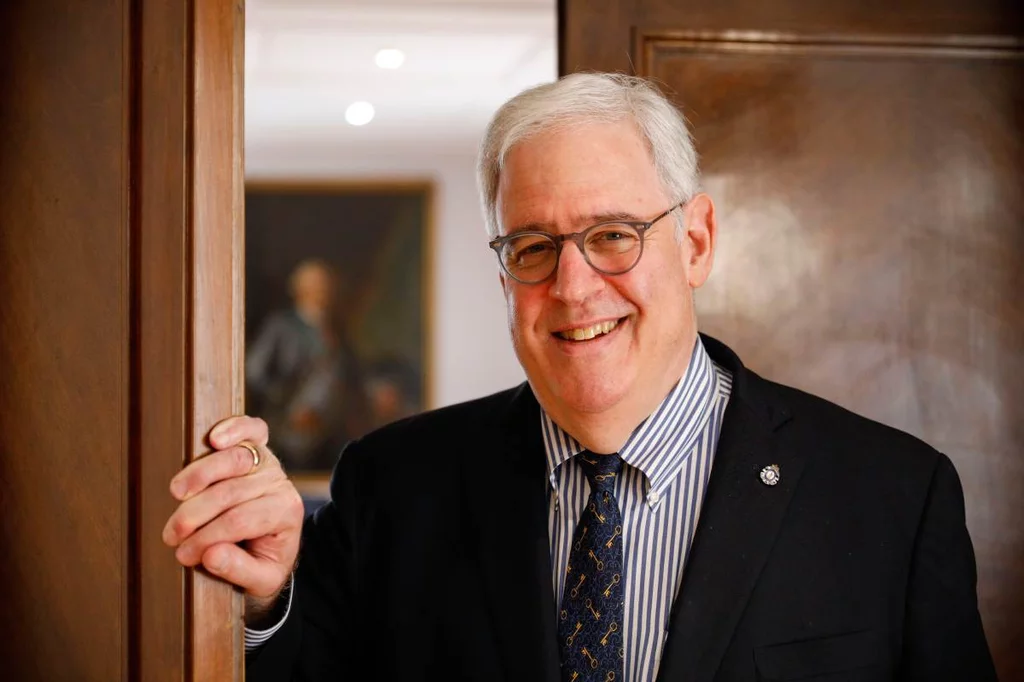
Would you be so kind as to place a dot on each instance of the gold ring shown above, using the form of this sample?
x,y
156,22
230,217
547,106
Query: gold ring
x,y
255,454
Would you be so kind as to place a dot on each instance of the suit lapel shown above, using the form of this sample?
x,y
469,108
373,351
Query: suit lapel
x,y
738,524
509,514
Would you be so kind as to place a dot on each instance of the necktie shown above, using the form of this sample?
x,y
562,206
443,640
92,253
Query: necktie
x,y
590,621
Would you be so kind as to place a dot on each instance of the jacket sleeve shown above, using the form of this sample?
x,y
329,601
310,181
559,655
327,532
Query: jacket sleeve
x,y
943,639
319,639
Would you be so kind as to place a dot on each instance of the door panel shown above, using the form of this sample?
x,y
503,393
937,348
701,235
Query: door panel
x,y
866,169
64,343
120,319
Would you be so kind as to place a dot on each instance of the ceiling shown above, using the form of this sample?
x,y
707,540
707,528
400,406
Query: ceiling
x,y
307,60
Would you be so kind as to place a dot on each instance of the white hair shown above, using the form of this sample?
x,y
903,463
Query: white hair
x,y
582,98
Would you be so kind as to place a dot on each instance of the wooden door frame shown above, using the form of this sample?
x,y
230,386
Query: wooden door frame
x,y
187,279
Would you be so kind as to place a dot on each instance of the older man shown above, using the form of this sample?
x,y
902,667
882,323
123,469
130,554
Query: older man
x,y
643,507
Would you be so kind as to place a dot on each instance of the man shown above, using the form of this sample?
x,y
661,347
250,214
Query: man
x,y
302,376
643,508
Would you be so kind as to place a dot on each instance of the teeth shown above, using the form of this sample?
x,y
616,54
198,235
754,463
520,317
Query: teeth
x,y
585,333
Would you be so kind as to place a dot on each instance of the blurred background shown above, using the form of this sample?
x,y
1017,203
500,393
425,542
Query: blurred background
x,y
433,71
351,107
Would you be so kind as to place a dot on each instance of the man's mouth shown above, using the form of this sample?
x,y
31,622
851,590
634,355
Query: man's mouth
x,y
587,333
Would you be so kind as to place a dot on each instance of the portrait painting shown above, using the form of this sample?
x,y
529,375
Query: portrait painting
x,y
336,298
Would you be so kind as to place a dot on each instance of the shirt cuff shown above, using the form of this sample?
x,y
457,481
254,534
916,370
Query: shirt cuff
x,y
254,639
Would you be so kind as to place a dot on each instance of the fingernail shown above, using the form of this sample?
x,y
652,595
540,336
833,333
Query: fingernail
x,y
217,564
178,489
220,432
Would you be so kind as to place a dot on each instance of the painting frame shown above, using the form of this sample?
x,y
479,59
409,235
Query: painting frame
x,y
266,197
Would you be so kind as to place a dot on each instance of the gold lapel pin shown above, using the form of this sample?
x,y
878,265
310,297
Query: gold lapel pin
x,y
770,475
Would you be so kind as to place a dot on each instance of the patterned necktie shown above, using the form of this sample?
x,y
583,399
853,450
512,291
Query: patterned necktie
x,y
590,622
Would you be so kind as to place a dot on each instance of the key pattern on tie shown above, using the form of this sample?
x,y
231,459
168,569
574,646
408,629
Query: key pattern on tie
x,y
590,619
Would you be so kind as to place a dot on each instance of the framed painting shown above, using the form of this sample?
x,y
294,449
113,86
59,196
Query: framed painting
x,y
337,315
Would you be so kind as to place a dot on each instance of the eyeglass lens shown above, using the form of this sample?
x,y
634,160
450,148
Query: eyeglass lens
x,y
611,248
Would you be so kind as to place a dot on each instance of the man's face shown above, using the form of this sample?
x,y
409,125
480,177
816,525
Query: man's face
x,y
565,181
313,287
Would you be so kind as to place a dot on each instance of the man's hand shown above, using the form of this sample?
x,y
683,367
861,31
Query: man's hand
x,y
225,501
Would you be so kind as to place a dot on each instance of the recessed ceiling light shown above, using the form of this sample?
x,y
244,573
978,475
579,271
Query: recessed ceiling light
x,y
390,58
359,113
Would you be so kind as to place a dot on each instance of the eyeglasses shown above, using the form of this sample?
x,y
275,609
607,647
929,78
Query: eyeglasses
x,y
611,248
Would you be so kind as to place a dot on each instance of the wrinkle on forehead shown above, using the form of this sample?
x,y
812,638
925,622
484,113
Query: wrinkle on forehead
x,y
577,221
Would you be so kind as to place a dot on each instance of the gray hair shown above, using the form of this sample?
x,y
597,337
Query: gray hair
x,y
590,98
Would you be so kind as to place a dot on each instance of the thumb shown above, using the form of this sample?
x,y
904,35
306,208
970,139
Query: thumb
x,y
258,576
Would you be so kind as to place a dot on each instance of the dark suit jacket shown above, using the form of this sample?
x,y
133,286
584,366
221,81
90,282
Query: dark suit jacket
x,y
432,562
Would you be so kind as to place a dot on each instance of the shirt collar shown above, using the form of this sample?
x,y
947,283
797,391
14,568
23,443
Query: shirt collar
x,y
663,441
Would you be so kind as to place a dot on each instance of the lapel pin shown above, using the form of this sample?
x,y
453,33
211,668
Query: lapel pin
x,y
770,474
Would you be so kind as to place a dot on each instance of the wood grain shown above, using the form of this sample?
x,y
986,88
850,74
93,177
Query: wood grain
x,y
599,36
64,340
120,206
160,276
216,346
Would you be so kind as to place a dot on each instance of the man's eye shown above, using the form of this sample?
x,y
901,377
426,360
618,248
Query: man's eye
x,y
613,234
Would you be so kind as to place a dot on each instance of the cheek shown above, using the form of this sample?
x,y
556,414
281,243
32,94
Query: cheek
x,y
661,307
661,292
522,313
640,292
667,313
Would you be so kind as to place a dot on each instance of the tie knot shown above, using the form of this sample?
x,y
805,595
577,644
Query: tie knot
x,y
600,470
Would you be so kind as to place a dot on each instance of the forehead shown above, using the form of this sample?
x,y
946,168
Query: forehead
x,y
561,176
312,274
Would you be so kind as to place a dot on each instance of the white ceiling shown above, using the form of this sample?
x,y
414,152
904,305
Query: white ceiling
x,y
307,60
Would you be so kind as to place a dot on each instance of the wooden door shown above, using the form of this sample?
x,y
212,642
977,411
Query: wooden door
x,y
120,329
867,165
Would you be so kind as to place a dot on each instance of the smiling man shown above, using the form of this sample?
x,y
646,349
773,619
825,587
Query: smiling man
x,y
643,508
602,338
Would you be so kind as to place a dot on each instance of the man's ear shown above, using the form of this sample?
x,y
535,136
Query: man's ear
x,y
700,239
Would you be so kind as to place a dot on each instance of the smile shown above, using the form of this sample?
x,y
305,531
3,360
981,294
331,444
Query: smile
x,y
587,333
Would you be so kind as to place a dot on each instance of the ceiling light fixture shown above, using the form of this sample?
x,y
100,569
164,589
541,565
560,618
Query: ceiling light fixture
x,y
390,58
359,113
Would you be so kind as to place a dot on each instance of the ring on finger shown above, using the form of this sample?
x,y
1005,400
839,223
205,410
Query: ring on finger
x,y
254,451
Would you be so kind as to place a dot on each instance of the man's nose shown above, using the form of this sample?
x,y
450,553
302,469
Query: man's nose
x,y
575,280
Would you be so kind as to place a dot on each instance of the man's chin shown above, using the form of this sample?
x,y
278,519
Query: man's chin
x,y
591,399
589,390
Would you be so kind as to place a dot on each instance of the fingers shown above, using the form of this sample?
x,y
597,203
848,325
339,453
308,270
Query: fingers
x,y
258,576
218,466
225,437
234,430
272,522
198,510
227,500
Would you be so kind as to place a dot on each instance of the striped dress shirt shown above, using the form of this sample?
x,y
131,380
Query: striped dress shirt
x,y
668,461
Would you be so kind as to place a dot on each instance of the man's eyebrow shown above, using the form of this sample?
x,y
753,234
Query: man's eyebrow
x,y
581,222
595,218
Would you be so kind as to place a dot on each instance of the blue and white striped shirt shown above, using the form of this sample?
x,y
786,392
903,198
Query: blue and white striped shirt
x,y
668,462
